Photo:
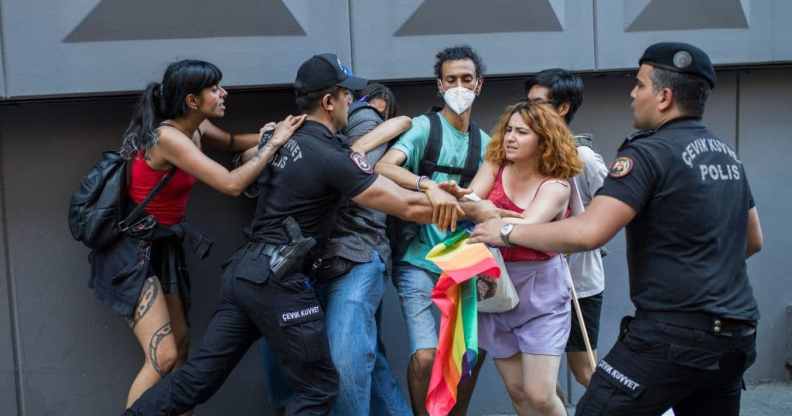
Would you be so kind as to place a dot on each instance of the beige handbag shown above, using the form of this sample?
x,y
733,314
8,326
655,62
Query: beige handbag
x,y
498,295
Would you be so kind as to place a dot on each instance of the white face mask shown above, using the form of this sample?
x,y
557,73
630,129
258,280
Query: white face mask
x,y
459,99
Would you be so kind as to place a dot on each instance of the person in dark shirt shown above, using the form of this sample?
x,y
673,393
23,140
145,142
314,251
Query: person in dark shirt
x,y
267,290
351,275
691,224
359,261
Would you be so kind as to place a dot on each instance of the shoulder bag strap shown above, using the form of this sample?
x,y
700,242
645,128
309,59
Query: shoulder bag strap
x,y
140,207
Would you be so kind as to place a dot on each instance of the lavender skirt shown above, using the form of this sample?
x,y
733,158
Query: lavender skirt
x,y
540,323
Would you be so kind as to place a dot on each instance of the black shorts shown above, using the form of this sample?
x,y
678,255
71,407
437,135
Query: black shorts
x,y
591,308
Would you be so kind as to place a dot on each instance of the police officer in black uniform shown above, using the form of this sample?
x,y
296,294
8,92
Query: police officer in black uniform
x,y
267,288
691,224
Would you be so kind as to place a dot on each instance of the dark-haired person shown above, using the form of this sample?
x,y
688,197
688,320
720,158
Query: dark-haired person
x,y
354,267
563,91
359,245
267,290
167,132
459,72
691,225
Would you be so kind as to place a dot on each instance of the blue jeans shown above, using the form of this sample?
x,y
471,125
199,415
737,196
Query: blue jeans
x,y
366,383
414,286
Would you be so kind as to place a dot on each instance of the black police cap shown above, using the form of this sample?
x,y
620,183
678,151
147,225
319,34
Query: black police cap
x,y
680,57
324,71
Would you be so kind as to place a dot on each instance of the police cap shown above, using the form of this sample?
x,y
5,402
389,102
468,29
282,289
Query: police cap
x,y
680,57
324,71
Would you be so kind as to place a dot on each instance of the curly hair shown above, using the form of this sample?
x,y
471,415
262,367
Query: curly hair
x,y
558,154
457,53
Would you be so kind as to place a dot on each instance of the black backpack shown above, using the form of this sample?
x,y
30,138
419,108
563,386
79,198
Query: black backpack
x,y
429,165
401,233
97,208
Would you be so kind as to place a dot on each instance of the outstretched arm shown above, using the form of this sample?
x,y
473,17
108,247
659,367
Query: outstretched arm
x,y
386,196
180,151
219,139
382,134
604,217
446,207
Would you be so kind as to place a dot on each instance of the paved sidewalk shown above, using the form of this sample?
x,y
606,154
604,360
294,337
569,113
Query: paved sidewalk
x,y
769,399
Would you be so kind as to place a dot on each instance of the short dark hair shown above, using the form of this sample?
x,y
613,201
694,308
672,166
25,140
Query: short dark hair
x,y
376,90
308,102
457,53
564,86
690,92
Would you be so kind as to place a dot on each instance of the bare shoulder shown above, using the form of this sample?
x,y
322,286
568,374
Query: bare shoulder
x,y
170,136
172,145
555,187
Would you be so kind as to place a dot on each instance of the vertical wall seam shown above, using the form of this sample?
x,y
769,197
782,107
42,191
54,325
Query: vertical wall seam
x,y
10,284
737,118
3,54
595,36
352,60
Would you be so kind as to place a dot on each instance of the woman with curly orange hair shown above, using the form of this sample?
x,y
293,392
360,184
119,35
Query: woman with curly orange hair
x,y
528,166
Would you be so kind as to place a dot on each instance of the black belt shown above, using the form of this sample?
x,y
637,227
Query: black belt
x,y
717,325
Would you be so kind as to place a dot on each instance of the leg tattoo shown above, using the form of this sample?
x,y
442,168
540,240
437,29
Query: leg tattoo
x,y
147,298
156,339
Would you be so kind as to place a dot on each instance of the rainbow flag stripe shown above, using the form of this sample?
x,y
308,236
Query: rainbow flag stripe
x,y
455,296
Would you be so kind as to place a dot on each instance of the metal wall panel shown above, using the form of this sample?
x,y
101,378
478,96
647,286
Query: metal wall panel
x,y
8,375
765,145
782,31
730,31
86,46
2,55
399,39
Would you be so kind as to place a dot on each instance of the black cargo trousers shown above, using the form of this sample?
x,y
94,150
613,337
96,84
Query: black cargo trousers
x,y
692,367
285,310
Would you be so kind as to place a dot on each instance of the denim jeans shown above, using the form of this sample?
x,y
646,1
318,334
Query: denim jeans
x,y
367,385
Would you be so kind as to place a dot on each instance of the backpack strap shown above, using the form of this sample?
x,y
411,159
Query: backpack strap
x,y
133,216
429,161
474,153
434,144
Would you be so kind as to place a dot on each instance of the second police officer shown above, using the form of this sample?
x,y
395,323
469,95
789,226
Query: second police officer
x,y
691,224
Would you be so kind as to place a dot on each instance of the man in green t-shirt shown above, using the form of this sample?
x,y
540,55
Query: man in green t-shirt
x,y
459,80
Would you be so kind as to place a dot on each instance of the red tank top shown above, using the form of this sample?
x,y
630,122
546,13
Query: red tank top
x,y
169,205
501,200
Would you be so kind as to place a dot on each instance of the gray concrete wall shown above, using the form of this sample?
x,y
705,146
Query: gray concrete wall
x,y
8,375
765,140
76,358
52,47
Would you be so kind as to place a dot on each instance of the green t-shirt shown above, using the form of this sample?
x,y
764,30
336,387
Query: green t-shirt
x,y
454,154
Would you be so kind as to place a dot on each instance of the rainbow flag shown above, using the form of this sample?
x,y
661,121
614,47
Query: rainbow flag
x,y
455,296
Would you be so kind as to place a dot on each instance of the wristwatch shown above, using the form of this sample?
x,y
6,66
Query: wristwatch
x,y
505,230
